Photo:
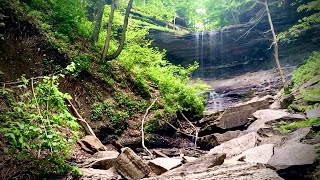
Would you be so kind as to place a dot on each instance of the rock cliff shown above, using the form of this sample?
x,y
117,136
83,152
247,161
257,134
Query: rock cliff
x,y
240,48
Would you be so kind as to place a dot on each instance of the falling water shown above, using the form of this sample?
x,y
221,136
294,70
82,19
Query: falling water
x,y
197,38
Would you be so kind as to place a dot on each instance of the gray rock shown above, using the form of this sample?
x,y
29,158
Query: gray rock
x,y
106,154
313,113
294,117
259,154
292,154
238,115
265,116
227,136
234,116
162,165
240,171
203,163
130,165
90,173
91,144
286,100
236,146
101,160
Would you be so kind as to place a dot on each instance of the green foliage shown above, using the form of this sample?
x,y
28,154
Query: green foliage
x,y
172,81
38,123
309,73
294,125
306,22
116,114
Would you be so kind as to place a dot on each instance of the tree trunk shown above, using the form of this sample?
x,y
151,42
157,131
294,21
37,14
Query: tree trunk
x,y
98,21
123,35
108,38
276,47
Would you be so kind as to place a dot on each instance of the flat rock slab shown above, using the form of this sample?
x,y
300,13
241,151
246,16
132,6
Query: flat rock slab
x,y
265,116
241,171
238,115
236,146
90,173
162,165
291,154
259,154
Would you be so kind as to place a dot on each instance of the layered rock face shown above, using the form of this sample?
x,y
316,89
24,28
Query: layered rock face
x,y
240,48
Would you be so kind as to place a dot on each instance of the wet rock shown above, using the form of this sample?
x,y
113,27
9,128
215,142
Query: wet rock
x,y
240,171
207,142
91,144
162,165
258,154
130,165
313,113
292,154
236,146
90,173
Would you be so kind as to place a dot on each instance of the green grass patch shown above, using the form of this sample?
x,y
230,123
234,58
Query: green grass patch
x,y
298,124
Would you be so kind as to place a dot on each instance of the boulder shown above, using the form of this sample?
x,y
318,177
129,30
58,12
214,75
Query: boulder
x,y
286,100
227,136
259,154
236,146
238,115
101,160
106,154
292,154
313,113
91,144
207,142
240,171
162,165
90,173
232,117
130,165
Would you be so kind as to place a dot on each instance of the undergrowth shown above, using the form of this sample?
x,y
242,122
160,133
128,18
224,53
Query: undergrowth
x,y
298,124
309,73
38,124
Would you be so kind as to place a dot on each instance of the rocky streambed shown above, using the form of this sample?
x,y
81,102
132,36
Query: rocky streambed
x,y
245,146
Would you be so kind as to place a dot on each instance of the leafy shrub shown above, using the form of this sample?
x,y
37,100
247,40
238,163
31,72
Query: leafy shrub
x,y
39,120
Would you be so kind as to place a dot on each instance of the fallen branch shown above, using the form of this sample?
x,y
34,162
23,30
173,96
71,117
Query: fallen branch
x,y
82,121
178,130
142,127
196,129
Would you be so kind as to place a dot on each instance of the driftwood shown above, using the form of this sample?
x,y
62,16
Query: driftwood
x,y
82,121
